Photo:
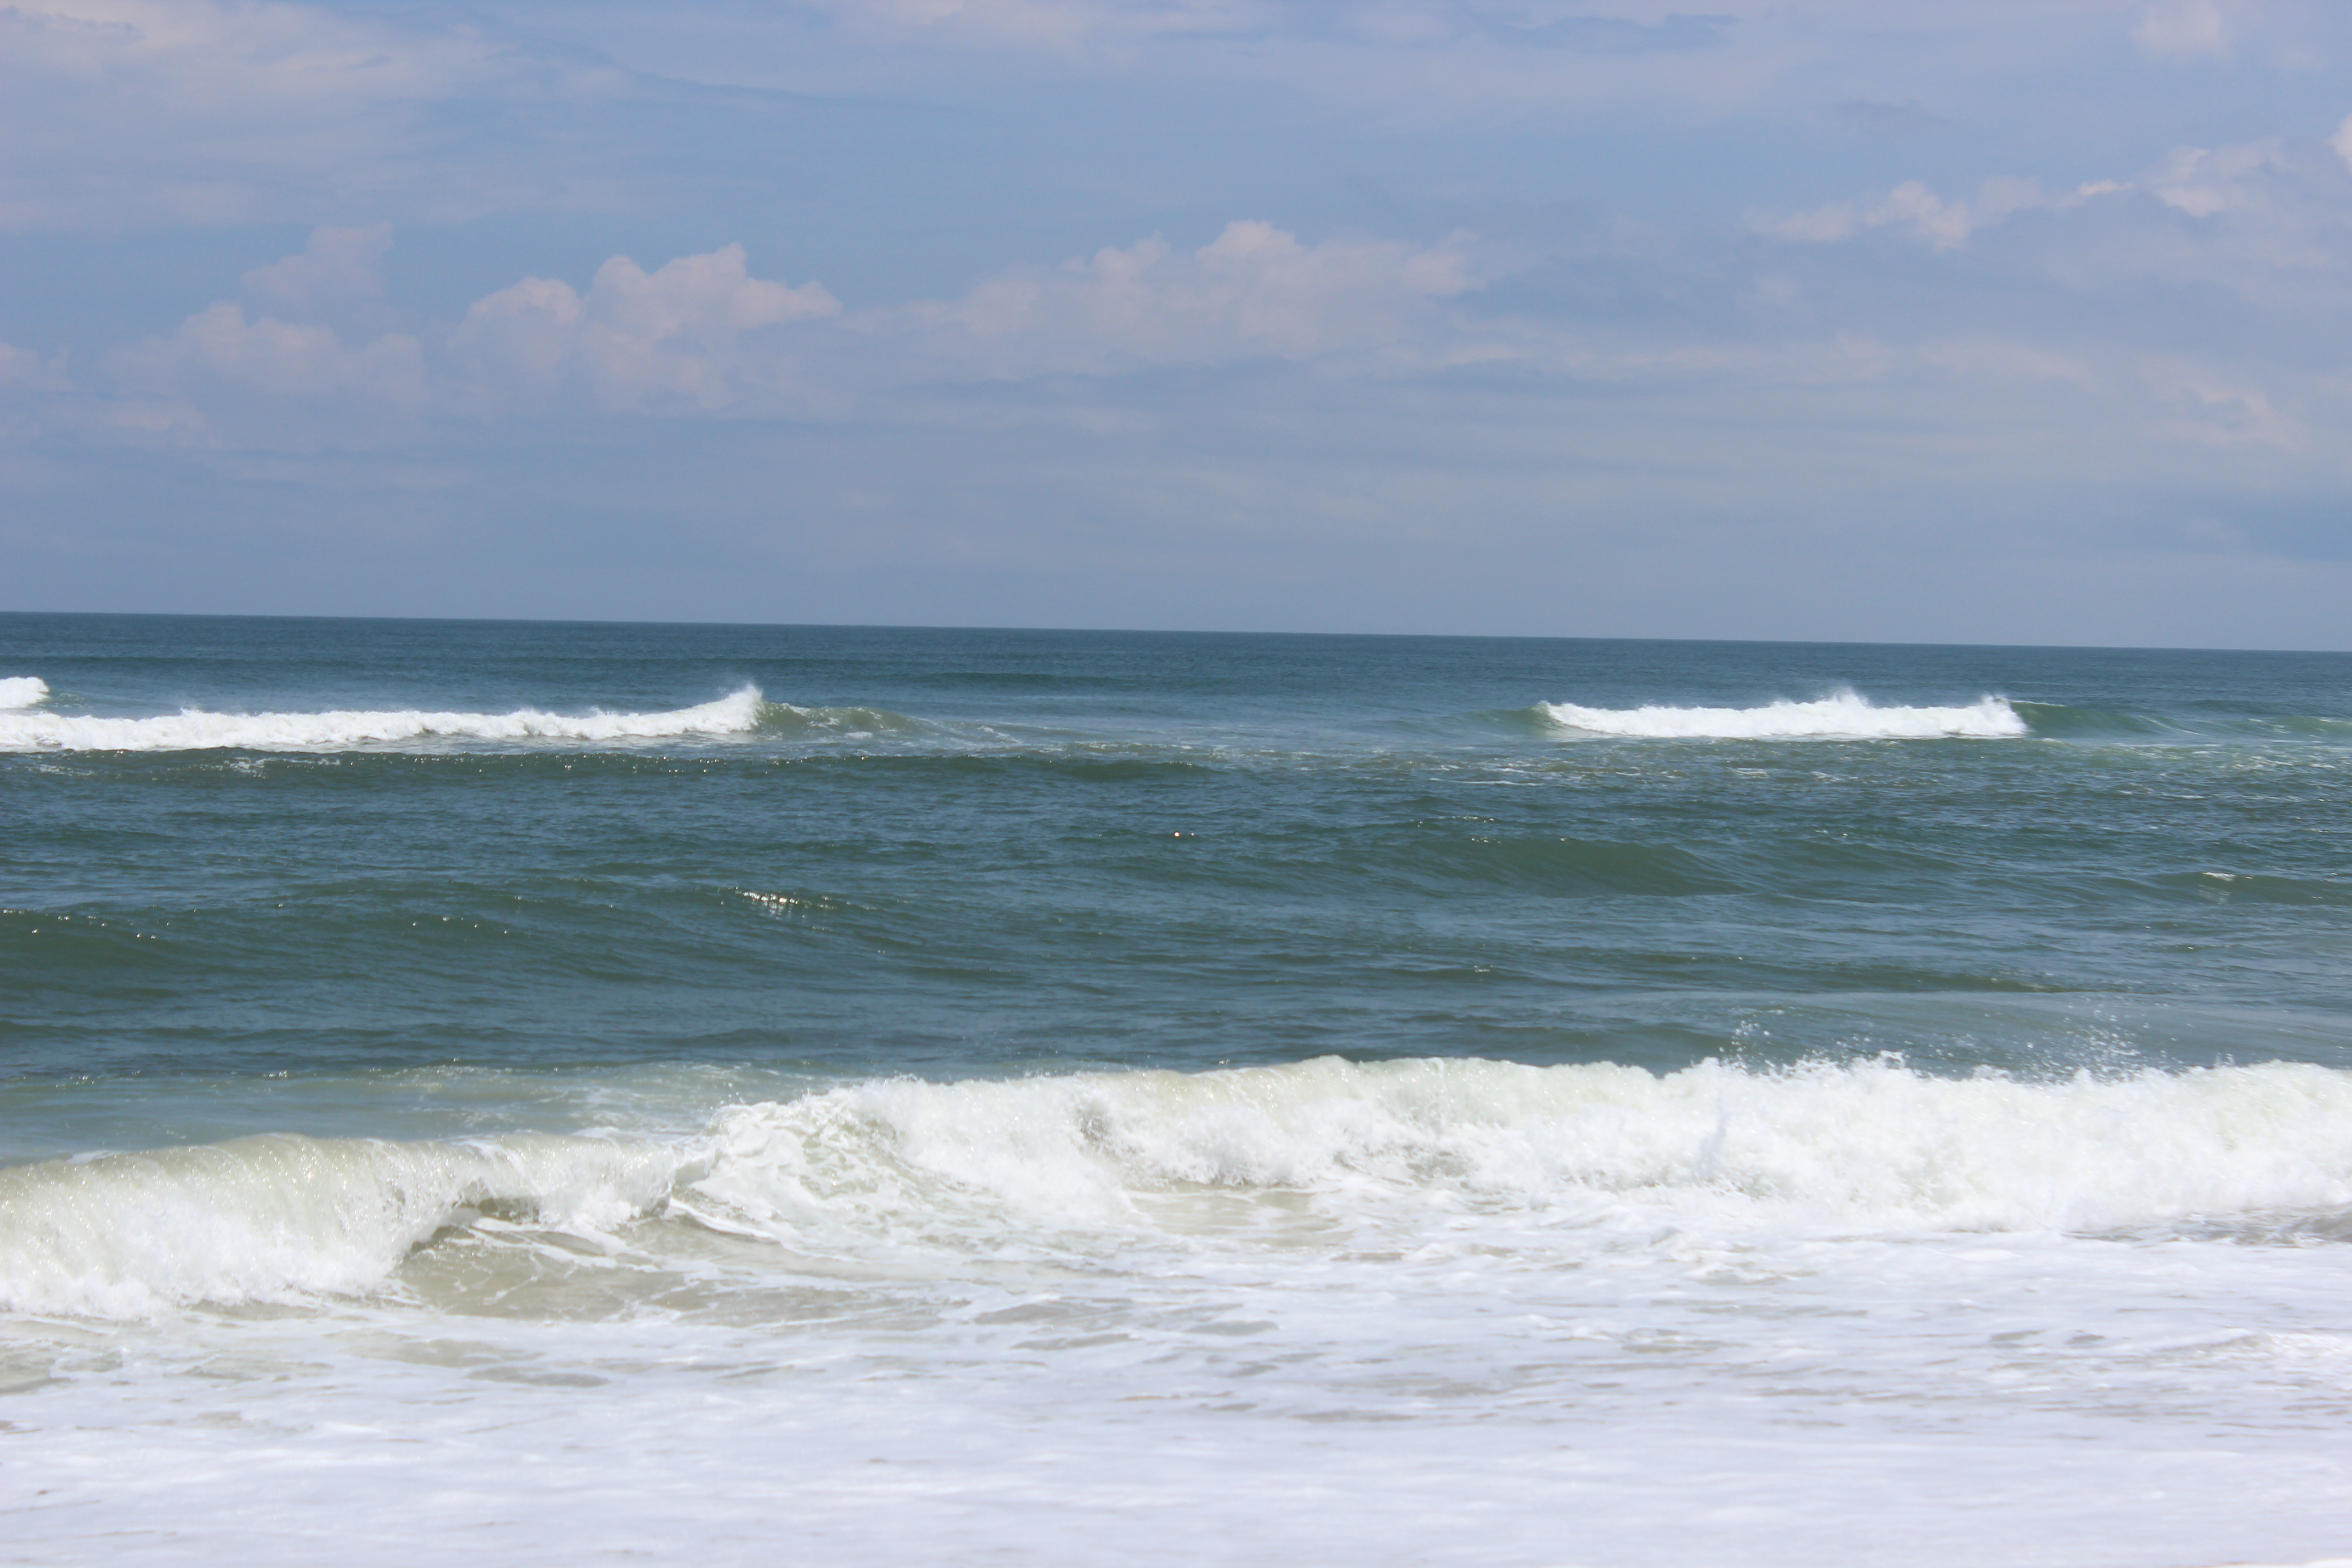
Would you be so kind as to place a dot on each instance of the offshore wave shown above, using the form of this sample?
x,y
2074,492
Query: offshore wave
x,y
1844,717
21,691
1848,716
741,712
891,1172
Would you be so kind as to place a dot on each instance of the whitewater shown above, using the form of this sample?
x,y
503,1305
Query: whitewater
x,y
1848,716
1084,1166
577,1094
194,729
1651,1277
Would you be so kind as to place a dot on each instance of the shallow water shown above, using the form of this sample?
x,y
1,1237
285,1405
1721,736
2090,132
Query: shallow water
x,y
919,1095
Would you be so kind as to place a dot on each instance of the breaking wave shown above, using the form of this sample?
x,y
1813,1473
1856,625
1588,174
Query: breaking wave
x,y
281,1216
741,712
21,691
1844,717
1080,1166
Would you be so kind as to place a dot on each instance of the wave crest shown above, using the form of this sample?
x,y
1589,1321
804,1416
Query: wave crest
x,y
900,1175
1844,717
21,691
281,1216
198,730
1872,1145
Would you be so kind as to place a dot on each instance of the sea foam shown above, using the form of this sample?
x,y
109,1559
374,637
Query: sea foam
x,y
1869,1144
1843,717
21,691
196,729
895,1173
281,1218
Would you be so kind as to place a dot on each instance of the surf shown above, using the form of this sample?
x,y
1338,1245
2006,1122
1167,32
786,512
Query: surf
x,y
741,712
1846,716
883,1176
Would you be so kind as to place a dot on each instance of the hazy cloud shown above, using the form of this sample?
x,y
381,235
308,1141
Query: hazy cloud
x,y
233,110
1254,291
1709,329
2185,29
1913,208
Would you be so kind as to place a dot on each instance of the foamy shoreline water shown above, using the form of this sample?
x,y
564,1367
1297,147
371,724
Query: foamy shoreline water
x,y
1565,1314
1089,1165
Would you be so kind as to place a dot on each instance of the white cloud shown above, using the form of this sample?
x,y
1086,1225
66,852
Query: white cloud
x,y
701,335
687,335
23,370
2202,181
2256,212
333,275
226,379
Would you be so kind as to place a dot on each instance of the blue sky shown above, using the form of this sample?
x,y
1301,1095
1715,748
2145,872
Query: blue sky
x,y
2015,321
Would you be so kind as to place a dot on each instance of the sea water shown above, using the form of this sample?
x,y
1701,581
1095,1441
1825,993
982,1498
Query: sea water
x,y
561,1094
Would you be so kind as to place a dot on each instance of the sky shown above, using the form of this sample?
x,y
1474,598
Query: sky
x,y
1919,321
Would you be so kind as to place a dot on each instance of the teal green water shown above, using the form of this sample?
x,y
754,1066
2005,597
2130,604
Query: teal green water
x,y
689,1093
978,853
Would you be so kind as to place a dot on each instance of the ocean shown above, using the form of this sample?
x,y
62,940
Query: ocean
x,y
852,1096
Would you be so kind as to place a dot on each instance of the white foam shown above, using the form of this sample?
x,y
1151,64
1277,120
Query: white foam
x,y
1783,1320
21,691
1844,717
1870,1145
196,729
1081,1169
281,1217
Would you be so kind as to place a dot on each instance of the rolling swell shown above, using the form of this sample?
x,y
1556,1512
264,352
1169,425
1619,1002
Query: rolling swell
x,y
2059,721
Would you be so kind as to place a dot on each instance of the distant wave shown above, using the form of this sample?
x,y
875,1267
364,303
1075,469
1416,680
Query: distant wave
x,y
1845,717
21,691
743,711
887,1169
